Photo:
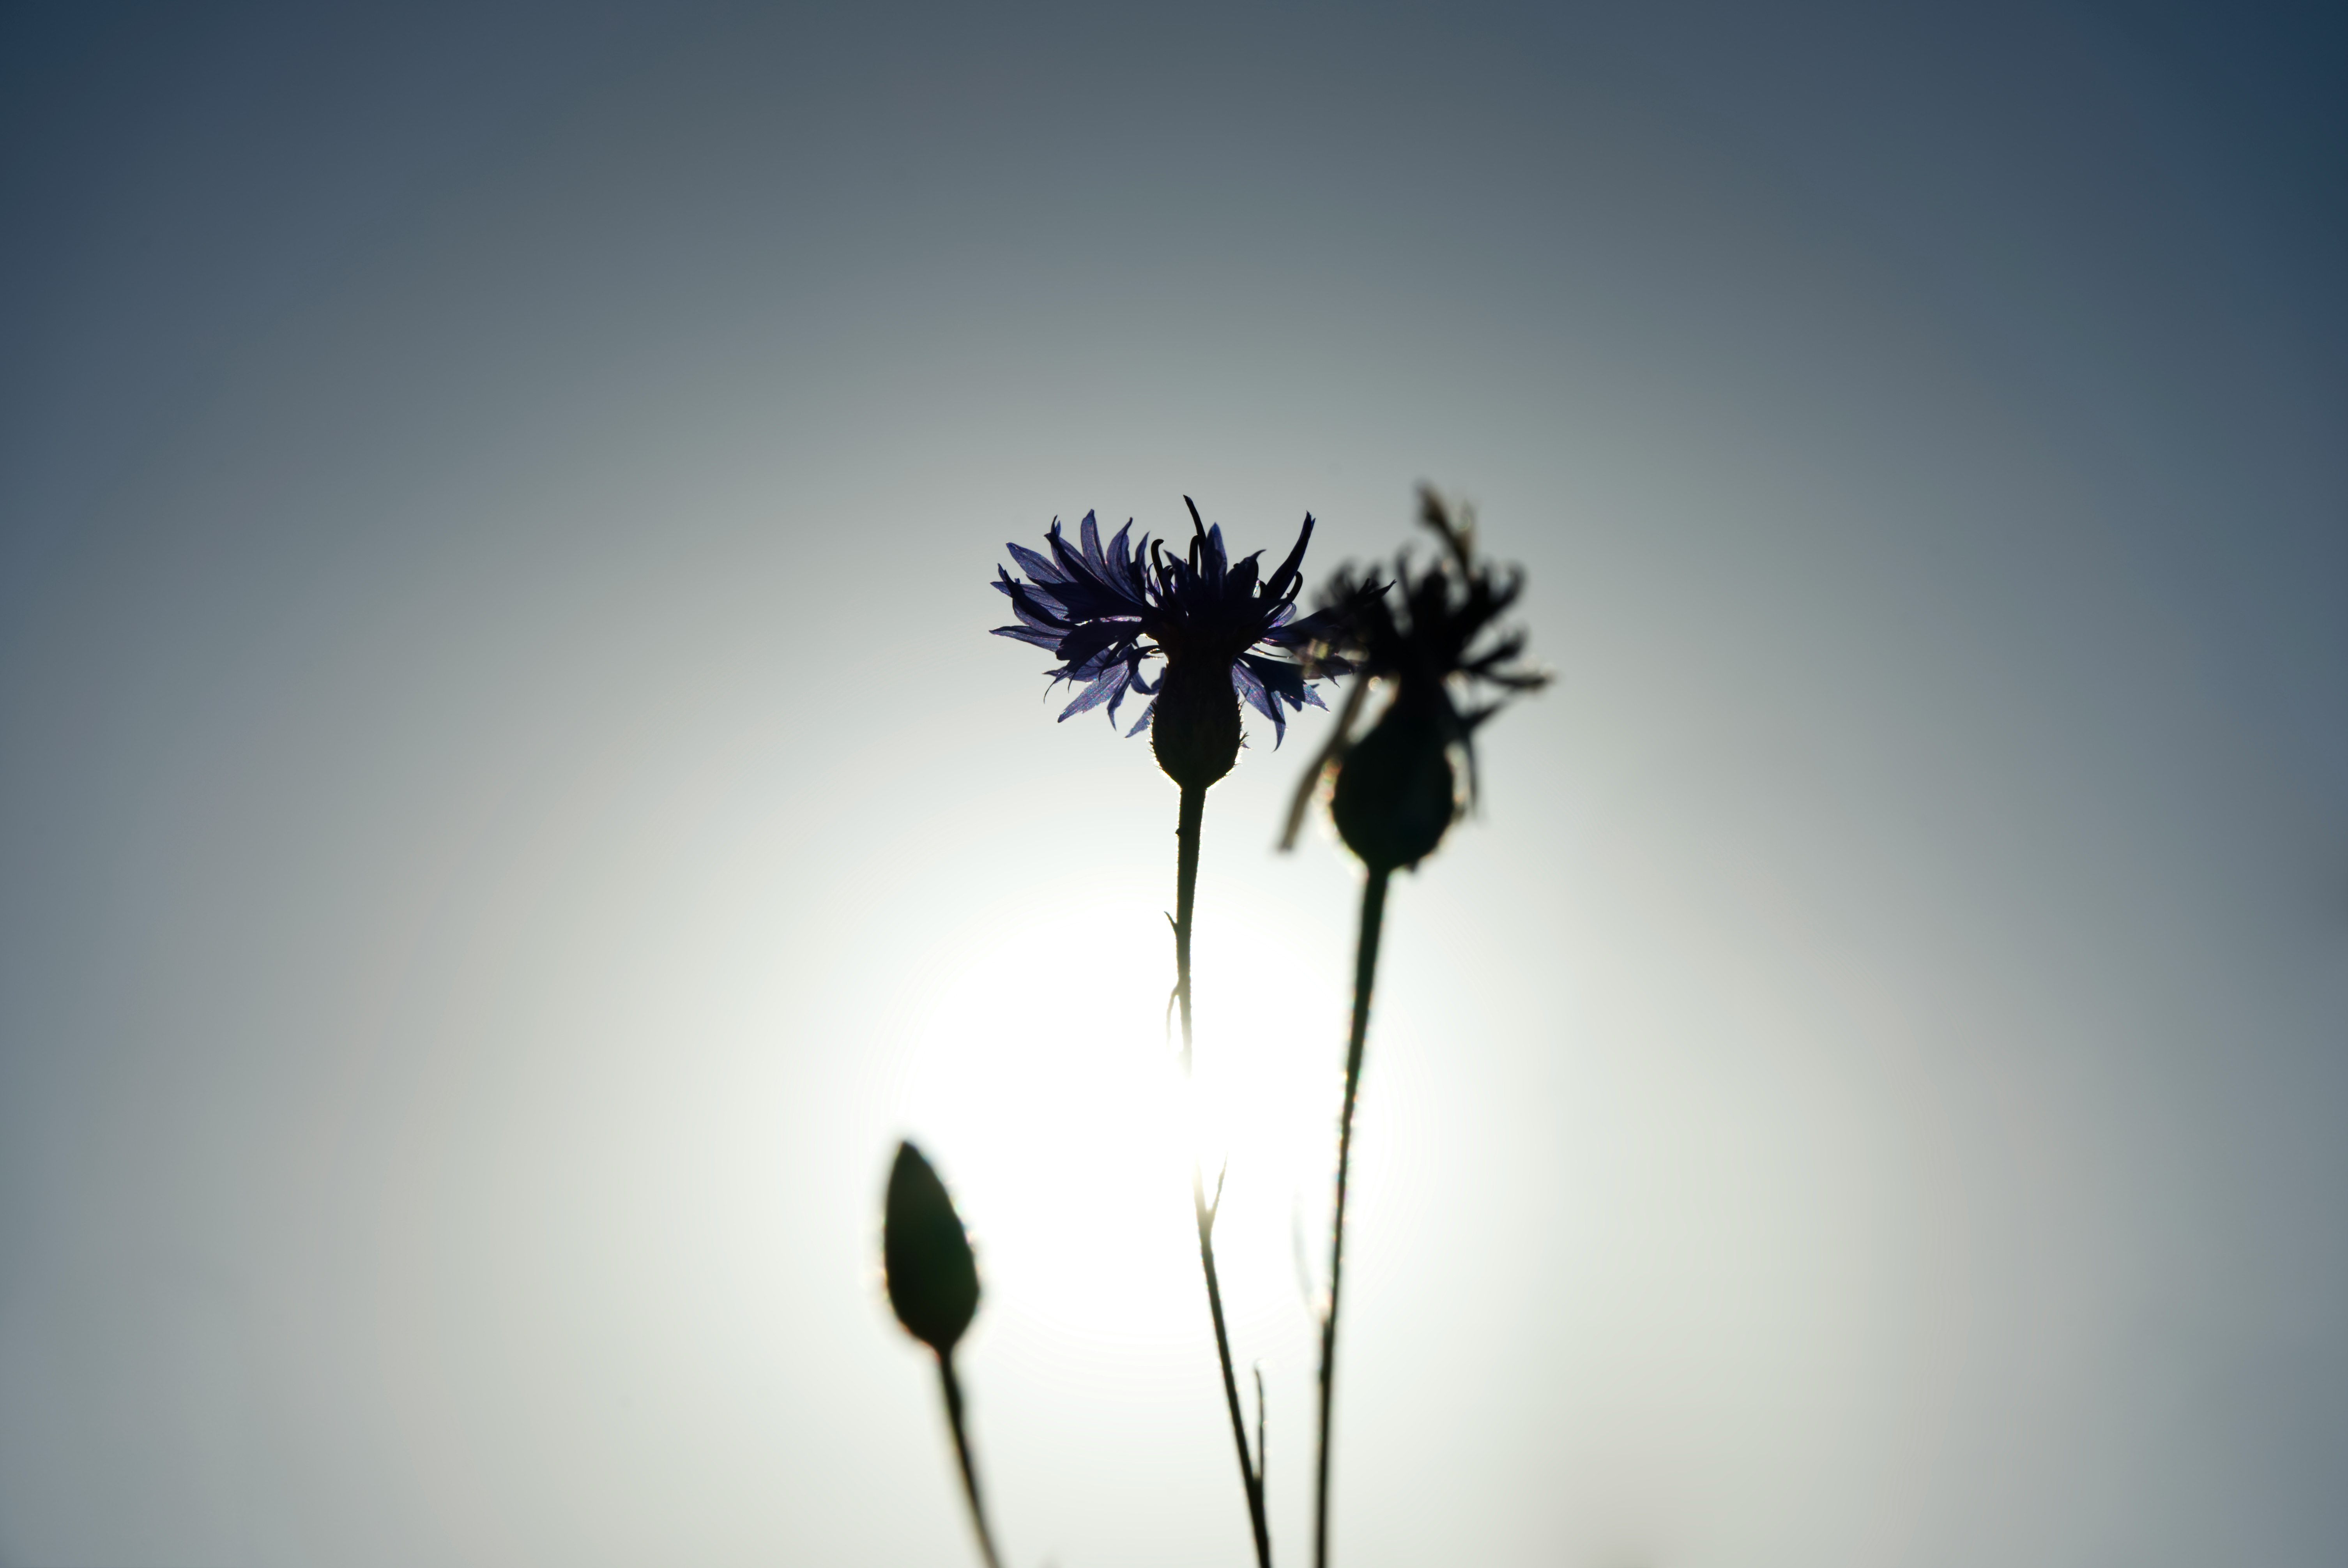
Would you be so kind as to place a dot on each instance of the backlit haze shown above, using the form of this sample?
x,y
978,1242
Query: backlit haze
x,y
508,809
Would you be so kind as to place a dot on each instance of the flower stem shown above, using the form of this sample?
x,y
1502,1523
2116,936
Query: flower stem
x,y
961,1449
1366,970
1186,887
1185,890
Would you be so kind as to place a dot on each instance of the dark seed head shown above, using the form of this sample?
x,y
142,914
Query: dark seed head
x,y
1397,790
932,1279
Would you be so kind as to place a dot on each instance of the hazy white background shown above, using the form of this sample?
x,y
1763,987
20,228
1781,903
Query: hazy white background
x,y
508,809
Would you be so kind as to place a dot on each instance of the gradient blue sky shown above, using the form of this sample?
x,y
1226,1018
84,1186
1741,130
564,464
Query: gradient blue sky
x,y
508,809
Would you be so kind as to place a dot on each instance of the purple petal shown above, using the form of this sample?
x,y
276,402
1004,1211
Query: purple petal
x,y
1036,566
1282,680
1132,661
1240,584
1035,606
1109,685
1251,691
1094,638
1277,585
1071,563
1131,564
1090,532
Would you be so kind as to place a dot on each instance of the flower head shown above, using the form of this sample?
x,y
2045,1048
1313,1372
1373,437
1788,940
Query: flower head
x,y
1397,791
1221,627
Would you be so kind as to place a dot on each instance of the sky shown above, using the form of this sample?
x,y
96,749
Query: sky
x,y
508,809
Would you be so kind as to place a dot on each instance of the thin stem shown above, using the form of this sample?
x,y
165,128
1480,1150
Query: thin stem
x,y
1249,1477
1262,1419
1366,971
1185,890
1340,734
969,1470
1186,887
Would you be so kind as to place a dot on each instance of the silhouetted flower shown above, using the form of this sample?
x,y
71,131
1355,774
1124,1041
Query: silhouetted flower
x,y
1397,791
1220,631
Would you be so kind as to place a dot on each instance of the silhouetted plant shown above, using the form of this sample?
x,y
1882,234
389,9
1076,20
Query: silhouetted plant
x,y
934,1287
1399,788
1394,792
1220,632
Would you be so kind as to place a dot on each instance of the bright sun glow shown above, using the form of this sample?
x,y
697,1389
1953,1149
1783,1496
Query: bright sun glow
x,y
1046,1084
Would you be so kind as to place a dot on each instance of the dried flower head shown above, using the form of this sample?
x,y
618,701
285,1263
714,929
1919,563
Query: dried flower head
x,y
1220,627
1397,789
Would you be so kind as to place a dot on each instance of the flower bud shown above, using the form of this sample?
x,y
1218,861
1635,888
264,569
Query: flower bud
x,y
1194,726
932,1279
1397,790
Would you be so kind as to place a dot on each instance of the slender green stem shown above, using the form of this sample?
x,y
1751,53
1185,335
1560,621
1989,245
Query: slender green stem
x,y
1366,971
969,1470
1186,887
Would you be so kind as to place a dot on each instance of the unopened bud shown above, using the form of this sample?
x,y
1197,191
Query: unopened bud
x,y
932,1279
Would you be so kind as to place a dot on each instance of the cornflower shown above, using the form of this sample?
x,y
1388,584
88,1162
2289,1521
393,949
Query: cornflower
x,y
1224,632
1219,630
1398,789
